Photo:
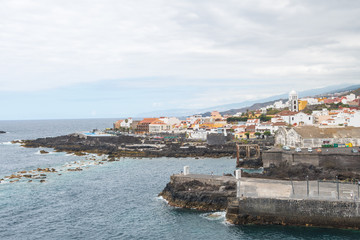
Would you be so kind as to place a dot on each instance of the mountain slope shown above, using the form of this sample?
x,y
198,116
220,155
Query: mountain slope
x,y
251,104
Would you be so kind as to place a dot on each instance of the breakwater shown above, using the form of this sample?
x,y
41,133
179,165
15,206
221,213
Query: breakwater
x,y
265,201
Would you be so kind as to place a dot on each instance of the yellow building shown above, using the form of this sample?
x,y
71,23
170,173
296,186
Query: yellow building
x,y
302,104
257,114
213,125
216,115
242,135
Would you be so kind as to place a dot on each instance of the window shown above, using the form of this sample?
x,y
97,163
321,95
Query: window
x,y
309,118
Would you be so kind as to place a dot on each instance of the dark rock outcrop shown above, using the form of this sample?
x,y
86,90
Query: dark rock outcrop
x,y
200,194
129,146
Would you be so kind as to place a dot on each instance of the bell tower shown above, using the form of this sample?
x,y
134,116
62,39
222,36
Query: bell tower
x,y
293,101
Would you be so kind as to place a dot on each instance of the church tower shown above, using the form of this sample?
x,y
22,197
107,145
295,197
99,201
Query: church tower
x,y
293,101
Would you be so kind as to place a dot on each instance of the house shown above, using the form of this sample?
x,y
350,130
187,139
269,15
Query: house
x,y
143,126
123,123
302,104
243,135
311,136
354,120
296,118
254,121
216,115
158,126
117,124
264,127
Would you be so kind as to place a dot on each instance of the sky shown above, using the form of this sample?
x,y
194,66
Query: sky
x,y
115,58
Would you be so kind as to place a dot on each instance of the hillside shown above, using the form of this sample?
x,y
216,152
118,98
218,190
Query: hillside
x,y
356,92
255,106
259,105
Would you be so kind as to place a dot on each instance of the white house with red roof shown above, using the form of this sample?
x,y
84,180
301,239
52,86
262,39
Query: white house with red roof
x,y
254,121
296,118
157,126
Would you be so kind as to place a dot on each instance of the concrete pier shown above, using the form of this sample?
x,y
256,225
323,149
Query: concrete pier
x,y
265,201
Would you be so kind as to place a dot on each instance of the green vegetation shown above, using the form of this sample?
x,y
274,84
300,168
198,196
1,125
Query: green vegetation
x,y
272,111
264,118
267,133
237,119
332,106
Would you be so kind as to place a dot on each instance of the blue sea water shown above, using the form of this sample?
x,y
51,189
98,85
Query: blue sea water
x,y
117,200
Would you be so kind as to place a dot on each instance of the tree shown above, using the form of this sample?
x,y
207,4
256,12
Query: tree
x,y
247,135
264,118
267,133
257,134
236,119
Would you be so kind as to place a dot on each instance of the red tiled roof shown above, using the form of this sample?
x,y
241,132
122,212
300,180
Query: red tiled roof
x,y
286,113
147,120
279,124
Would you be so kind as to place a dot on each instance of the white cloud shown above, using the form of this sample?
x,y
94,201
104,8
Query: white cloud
x,y
49,44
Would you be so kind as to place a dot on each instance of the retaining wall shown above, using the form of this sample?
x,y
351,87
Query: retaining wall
x,y
338,160
307,212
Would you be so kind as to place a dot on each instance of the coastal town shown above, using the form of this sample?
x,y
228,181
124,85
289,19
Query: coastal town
x,y
337,112
301,154
180,119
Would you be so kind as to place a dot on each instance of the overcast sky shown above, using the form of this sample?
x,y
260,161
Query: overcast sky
x,y
113,58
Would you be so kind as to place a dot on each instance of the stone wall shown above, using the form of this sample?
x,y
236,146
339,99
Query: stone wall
x,y
337,160
339,214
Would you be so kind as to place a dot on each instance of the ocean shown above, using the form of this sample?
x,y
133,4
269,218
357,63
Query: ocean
x,y
116,200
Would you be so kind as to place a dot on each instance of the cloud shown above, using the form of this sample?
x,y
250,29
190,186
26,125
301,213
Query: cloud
x,y
197,47
48,44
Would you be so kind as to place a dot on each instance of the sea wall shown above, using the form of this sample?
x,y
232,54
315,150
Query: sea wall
x,y
202,192
306,212
327,160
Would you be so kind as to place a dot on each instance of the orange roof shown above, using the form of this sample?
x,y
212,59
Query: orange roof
x,y
148,120
159,122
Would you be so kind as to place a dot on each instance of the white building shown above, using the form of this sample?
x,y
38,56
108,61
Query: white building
x,y
311,101
126,123
311,136
159,126
296,118
354,119
254,121
280,105
171,121
200,134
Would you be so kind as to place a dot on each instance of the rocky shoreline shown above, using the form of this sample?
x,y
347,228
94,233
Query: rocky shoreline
x,y
130,146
